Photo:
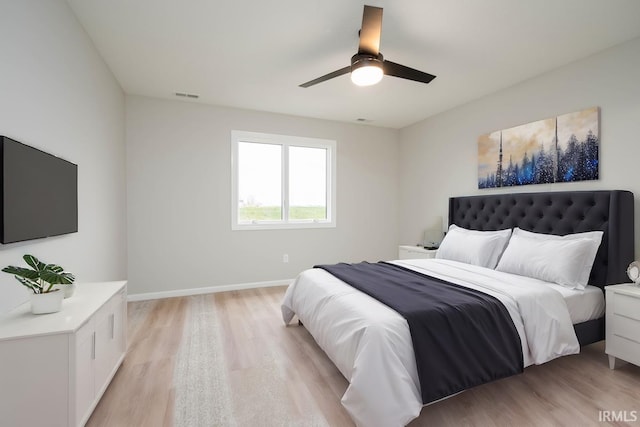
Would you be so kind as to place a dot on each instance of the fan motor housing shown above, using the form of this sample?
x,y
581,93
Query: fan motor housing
x,y
366,60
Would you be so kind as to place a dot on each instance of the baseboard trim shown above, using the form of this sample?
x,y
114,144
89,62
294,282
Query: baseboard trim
x,y
206,290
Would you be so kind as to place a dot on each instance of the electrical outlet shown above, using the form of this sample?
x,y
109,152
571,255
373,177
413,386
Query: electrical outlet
x,y
285,258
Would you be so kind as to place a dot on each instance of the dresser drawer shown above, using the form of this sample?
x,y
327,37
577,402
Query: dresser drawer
x,y
627,305
626,327
623,348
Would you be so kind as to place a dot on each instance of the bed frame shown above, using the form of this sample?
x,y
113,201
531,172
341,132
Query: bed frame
x,y
562,213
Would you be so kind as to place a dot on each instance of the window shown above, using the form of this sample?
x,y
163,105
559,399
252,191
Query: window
x,y
282,181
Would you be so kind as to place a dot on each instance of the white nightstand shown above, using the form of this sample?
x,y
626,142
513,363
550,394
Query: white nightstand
x,y
623,323
413,252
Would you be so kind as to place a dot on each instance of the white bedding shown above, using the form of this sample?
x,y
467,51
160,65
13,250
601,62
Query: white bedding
x,y
371,345
583,305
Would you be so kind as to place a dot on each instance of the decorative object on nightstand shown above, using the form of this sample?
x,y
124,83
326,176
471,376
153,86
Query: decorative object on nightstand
x,y
42,279
622,323
413,252
433,234
633,271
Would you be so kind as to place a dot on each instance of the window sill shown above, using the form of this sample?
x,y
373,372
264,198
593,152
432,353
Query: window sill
x,y
282,226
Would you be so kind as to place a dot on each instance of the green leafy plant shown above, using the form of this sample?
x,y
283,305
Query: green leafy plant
x,y
41,277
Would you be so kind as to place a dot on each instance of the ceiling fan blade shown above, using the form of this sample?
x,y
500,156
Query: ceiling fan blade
x,y
326,77
397,70
370,31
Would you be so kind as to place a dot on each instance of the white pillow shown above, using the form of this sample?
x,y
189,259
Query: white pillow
x,y
481,248
565,260
595,236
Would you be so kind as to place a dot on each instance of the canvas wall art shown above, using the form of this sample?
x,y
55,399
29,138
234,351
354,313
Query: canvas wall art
x,y
560,149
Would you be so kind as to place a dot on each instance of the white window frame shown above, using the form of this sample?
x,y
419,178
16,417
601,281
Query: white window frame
x,y
285,141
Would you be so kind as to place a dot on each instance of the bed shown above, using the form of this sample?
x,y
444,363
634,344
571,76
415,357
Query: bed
x,y
371,345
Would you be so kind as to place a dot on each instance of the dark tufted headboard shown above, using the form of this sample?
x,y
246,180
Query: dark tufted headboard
x,y
560,213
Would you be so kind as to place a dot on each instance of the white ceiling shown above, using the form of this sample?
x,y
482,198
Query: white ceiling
x,y
253,54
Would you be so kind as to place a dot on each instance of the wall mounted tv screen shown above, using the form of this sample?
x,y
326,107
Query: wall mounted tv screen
x,y
39,193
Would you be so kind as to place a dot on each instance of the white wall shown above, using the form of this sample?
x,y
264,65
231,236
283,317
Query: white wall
x,y
56,94
179,198
438,156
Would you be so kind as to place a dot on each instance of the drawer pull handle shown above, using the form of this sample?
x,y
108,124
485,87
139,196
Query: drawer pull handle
x,y
113,325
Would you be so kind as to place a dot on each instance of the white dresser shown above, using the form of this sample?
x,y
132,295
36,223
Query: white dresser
x,y
623,323
55,367
413,252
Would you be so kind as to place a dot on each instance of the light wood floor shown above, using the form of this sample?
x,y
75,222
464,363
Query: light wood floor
x,y
566,392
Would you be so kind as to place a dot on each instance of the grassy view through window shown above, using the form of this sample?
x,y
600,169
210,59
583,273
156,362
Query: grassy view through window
x,y
274,213
282,181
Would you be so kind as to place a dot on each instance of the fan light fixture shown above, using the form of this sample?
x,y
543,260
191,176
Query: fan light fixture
x,y
366,76
366,70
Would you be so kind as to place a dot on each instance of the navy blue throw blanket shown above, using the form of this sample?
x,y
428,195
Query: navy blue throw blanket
x,y
461,337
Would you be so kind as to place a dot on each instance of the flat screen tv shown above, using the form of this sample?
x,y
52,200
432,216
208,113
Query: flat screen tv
x,y
39,193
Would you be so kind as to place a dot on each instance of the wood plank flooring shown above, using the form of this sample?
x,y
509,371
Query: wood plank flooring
x,y
276,375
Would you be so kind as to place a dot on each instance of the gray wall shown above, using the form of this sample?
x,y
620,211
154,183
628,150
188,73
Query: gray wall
x,y
438,156
58,96
179,198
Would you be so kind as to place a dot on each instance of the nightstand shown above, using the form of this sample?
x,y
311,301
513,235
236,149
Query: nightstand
x,y
623,323
413,252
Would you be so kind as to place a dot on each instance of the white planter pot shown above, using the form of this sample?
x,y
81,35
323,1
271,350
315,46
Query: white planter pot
x,y
46,303
68,290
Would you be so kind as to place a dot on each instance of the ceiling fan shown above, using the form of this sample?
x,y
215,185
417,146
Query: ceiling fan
x,y
368,65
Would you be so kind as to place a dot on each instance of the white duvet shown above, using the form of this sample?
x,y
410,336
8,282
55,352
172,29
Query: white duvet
x,y
371,346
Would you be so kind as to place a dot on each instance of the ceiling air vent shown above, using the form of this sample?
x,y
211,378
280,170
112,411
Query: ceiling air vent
x,y
187,95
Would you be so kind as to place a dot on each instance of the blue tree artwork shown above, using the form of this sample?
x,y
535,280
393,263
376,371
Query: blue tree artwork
x,y
559,149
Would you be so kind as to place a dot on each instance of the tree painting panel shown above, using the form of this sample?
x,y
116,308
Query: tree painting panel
x,y
559,149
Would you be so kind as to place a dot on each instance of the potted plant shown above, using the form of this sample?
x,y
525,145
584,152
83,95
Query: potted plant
x,y
42,279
